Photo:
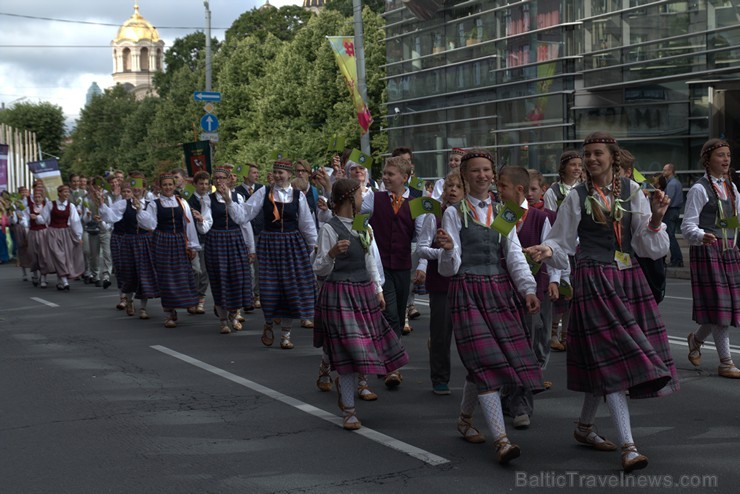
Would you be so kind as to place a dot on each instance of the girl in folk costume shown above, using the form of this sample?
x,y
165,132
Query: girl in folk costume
x,y
710,226
355,335
19,228
569,172
38,243
287,283
226,252
174,244
117,233
131,245
486,313
440,321
64,237
616,341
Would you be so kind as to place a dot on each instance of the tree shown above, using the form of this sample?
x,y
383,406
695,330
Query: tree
x,y
184,52
134,153
345,8
283,23
44,118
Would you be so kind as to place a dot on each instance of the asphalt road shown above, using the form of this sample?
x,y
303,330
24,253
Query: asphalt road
x,y
93,401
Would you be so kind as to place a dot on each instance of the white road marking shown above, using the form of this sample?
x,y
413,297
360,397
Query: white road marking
x,y
679,298
371,434
45,302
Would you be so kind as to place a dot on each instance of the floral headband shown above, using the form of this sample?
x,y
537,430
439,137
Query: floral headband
x,y
347,194
221,170
708,151
600,140
284,165
566,157
471,155
459,151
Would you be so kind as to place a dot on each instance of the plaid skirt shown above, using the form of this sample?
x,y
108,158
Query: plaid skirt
x,y
65,253
38,251
135,270
487,319
354,333
715,284
286,282
227,263
20,237
615,342
174,272
115,256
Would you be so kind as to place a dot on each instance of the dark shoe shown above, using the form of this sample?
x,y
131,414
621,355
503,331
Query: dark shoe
x,y
267,335
98,283
66,287
678,264
106,284
441,389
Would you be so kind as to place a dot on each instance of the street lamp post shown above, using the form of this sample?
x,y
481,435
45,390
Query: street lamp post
x,y
208,46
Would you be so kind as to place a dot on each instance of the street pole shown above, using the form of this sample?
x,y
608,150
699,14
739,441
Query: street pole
x,y
360,56
208,46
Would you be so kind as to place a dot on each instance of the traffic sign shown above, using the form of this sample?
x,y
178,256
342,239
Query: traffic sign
x,y
207,96
209,122
209,136
209,107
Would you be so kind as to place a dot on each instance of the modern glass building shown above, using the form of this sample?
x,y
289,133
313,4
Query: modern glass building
x,y
531,78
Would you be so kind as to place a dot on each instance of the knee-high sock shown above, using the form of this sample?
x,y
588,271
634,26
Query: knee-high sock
x,y
704,331
721,336
347,389
589,409
617,403
491,405
469,399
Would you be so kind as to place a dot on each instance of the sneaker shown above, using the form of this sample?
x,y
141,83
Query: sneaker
x,y
441,389
521,421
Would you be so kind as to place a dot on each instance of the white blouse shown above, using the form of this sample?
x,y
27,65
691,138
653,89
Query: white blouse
x,y
148,218
236,214
695,201
74,217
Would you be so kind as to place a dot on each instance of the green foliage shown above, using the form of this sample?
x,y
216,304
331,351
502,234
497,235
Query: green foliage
x,y
184,52
282,23
44,118
344,7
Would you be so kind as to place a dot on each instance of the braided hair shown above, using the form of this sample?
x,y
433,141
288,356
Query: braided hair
x,y
613,147
706,153
344,190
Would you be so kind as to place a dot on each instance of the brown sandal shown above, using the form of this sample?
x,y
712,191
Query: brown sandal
x,y
586,434
465,426
268,337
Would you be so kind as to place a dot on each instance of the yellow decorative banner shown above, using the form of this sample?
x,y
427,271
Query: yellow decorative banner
x,y
344,51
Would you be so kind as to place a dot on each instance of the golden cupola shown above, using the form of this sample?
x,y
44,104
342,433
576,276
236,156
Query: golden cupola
x,y
136,28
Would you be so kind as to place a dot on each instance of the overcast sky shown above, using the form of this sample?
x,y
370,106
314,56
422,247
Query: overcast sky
x,y
33,66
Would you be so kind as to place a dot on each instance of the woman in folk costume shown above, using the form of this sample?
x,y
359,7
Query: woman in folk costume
x,y
64,238
19,229
226,252
487,315
351,327
287,283
711,206
131,244
38,243
174,244
617,342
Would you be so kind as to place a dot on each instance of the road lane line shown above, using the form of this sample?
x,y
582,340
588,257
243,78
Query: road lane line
x,y
371,434
678,298
45,302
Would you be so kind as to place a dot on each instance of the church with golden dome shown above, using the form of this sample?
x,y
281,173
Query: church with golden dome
x,y
138,53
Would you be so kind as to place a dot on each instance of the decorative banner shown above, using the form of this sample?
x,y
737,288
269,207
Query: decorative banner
x,y
43,166
425,205
241,171
359,224
136,183
197,156
336,144
344,51
361,158
51,179
507,217
4,149
278,155
416,183
187,191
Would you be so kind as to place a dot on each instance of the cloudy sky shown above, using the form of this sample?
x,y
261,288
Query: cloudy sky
x,y
45,60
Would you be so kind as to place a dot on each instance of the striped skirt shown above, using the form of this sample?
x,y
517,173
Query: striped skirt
x,y
174,273
355,335
287,283
715,284
20,236
615,342
38,251
115,255
65,253
487,319
135,270
227,263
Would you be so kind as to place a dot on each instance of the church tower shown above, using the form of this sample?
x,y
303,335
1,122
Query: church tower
x,y
137,54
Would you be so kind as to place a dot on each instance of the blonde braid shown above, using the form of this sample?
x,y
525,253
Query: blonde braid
x,y
616,180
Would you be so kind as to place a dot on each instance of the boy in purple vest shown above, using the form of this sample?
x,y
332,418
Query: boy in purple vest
x,y
532,228
394,230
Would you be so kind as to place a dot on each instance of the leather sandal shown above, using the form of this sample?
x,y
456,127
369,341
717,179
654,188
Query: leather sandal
x,y
130,308
364,393
468,431
324,381
143,314
234,318
285,343
121,303
635,463
268,337
347,413
729,371
585,434
224,328
307,323
505,450
694,350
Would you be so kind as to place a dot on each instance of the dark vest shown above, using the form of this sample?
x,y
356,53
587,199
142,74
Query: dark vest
x,y
481,249
710,212
130,223
393,232
349,266
288,213
221,220
169,219
435,282
258,222
598,241
59,218
33,225
531,234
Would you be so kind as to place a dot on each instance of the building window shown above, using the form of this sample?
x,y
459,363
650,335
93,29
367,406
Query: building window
x,y
144,59
126,60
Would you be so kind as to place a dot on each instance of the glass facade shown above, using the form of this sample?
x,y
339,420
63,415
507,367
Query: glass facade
x,y
531,78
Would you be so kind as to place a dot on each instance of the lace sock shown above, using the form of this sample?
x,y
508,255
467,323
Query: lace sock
x,y
491,405
617,403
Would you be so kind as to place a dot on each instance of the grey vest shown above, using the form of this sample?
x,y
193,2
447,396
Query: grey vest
x,y
481,252
349,266
710,212
598,241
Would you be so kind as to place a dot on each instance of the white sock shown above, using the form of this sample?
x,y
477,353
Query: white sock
x,y
469,399
617,403
347,395
64,280
589,409
491,405
721,336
